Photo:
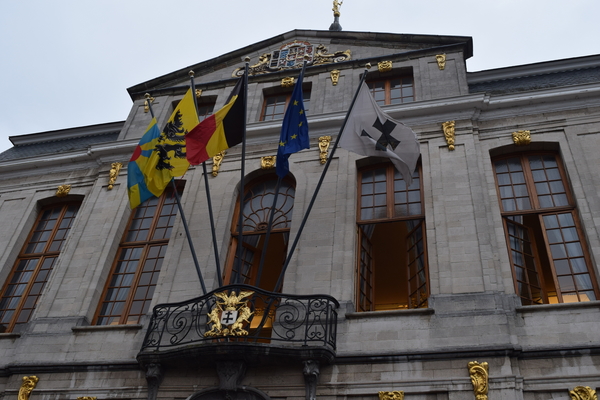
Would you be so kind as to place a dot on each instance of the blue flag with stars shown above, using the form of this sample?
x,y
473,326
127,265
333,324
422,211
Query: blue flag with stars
x,y
294,130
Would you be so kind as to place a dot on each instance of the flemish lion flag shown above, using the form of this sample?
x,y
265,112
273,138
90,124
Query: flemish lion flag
x,y
371,132
136,182
220,131
168,158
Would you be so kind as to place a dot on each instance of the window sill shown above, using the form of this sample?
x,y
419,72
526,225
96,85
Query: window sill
x,y
560,306
10,335
389,313
104,328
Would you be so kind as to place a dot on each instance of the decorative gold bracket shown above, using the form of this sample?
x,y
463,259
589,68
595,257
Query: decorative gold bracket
x,y
448,128
521,138
63,190
217,160
29,383
287,82
335,76
324,142
113,174
479,378
441,61
384,66
267,162
583,393
147,102
396,395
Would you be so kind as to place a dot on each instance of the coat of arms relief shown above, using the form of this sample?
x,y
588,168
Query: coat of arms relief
x,y
229,315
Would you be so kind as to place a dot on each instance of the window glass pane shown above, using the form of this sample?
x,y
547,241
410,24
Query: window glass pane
x,y
566,283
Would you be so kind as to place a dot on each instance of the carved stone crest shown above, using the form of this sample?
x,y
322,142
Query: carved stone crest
x,y
229,315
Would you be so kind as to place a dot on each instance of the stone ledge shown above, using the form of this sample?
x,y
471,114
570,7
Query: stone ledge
x,y
104,328
389,313
558,307
10,335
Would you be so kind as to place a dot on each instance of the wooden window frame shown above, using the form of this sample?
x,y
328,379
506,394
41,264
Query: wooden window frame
x,y
39,275
541,247
126,317
387,89
365,298
288,95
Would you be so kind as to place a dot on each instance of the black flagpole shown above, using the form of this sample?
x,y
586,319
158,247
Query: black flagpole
x,y
185,225
243,172
208,198
271,217
312,200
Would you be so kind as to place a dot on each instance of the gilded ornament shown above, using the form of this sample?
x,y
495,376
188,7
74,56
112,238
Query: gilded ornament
x,y
441,61
322,57
396,395
229,315
479,378
583,393
448,128
198,93
324,142
147,102
217,160
521,138
287,82
113,174
335,76
29,383
63,190
267,162
336,7
86,398
384,66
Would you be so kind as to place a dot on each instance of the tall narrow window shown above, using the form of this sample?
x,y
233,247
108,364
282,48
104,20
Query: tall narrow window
x,y
274,105
393,91
549,257
132,281
256,210
392,261
34,265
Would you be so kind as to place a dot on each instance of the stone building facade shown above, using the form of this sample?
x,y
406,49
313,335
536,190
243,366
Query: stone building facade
x,y
480,279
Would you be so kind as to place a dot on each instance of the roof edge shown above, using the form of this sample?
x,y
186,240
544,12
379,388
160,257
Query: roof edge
x,y
68,133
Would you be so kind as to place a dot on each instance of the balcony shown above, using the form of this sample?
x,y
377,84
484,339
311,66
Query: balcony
x,y
242,323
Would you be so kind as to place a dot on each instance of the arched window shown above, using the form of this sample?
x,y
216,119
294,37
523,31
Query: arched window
x,y
550,261
26,281
258,201
392,260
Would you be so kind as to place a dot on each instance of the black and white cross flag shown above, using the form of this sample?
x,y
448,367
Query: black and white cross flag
x,y
371,132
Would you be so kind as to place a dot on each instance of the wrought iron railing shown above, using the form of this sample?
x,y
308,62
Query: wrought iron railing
x,y
241,313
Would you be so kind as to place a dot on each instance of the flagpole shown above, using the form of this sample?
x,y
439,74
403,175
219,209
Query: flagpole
x,y
185,226
208,197
243,172
271,217
312,200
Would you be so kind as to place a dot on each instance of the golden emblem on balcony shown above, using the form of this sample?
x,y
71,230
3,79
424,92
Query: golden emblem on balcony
x,y
29,383
396,395
479,378
583,393
229,315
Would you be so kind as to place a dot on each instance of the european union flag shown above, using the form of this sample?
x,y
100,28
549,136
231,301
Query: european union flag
x,y
294,130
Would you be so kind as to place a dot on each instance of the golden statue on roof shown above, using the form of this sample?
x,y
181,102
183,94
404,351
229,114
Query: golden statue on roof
x,y
336,7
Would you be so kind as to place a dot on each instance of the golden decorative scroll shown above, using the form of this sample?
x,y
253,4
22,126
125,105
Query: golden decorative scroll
x,y
287,82
441,61
322,57
217,160
336,7
29,383
396,395
448,128
63,190
229,303
113,174
324,142
583,393
335,76
86,398
479,378
384,66
267,162
521,138
147,102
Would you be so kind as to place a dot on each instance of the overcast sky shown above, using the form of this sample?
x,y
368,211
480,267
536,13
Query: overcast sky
x,y
68,63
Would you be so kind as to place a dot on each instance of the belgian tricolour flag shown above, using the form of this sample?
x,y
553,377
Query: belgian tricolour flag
x,y
220,131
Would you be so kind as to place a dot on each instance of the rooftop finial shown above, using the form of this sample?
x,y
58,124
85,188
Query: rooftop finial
x,y
335,26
